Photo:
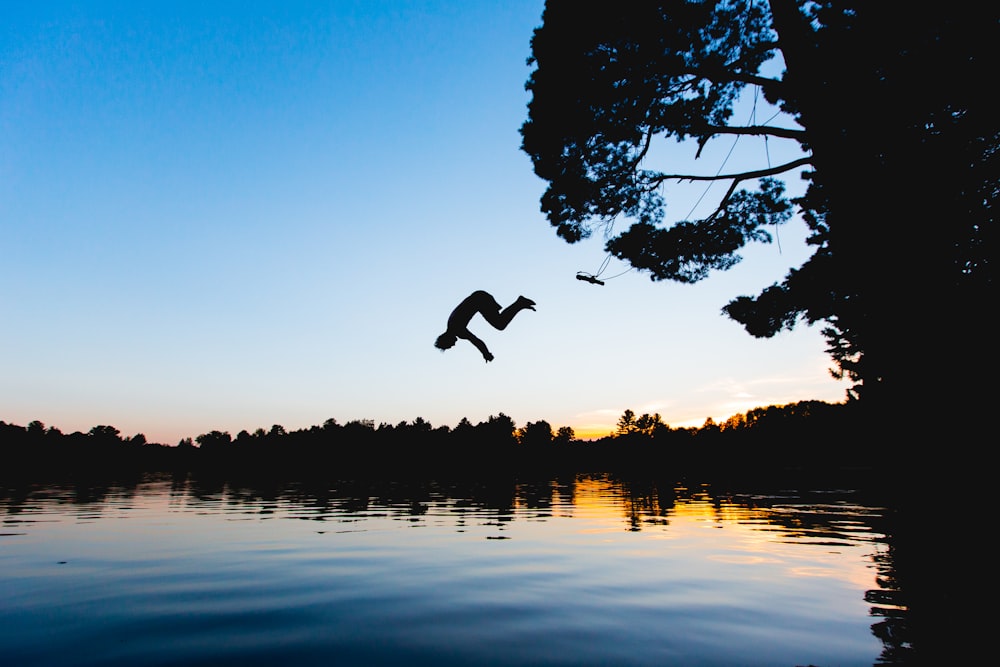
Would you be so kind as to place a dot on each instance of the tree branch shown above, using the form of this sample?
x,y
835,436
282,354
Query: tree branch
x,y
725,198
721,75
746,175
645,148
762,81
758,130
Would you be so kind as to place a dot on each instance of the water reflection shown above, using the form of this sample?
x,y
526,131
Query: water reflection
x,y
585,569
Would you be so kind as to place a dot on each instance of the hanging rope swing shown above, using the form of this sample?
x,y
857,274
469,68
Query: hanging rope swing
x,y
594,278
590,278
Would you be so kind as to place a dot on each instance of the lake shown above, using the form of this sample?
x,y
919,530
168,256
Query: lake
x,y
580,570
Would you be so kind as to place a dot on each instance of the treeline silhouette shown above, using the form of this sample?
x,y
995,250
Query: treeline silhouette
x,y
807,436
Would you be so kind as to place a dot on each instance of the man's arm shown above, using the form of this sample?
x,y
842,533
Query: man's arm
x,y
468,335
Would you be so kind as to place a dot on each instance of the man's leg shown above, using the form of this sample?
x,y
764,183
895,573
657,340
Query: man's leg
x,y
501,318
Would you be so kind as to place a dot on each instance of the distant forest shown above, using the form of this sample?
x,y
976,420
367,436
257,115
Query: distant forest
x,y
805,436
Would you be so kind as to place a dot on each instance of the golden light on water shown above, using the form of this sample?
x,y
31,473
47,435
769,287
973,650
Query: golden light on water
x,y
727,533
687,570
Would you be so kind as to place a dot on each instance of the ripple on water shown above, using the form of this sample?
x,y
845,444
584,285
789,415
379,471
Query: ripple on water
x,y
585,575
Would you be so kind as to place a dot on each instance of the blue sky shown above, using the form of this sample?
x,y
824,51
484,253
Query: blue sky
x,y
231,215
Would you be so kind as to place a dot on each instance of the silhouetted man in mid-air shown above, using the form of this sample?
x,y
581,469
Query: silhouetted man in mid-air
x,y
483,303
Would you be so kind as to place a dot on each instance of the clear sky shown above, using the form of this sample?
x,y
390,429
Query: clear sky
x,y
229,215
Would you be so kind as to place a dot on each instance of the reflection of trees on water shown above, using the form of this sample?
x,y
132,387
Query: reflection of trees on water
x,y
932,588
833,518
640,502
645,501
889,606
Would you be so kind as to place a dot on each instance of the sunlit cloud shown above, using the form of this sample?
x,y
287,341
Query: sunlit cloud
x,y
656,407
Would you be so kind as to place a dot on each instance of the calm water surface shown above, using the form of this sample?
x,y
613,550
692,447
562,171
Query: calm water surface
x,y
583,571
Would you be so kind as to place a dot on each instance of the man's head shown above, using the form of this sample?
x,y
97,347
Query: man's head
x,y
445,340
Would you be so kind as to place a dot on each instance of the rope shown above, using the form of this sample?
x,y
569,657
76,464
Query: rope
x,y
593,277
767,154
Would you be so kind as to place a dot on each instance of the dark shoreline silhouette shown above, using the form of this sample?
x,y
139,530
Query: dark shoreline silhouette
x,y
805,440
